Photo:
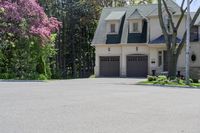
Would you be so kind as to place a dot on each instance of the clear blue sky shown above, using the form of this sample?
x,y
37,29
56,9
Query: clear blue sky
x,y
194,6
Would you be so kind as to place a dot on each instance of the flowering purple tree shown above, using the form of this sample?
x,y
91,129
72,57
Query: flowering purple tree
x,y
26,18
24,28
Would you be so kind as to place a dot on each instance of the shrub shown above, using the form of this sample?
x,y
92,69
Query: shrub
x,y
162,77
162,80
195,81
4,76
26,59
151,78
42,77
191,80
179,81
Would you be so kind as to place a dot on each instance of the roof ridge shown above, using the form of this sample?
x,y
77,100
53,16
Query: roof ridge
x,y
138,11
131,6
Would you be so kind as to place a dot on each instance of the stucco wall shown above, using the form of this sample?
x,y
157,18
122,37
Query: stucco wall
x,y
118,50
154,57
151,52
103,50
195,49
155,29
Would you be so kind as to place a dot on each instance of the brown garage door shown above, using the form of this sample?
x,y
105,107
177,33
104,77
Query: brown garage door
x,y
109,66
137,66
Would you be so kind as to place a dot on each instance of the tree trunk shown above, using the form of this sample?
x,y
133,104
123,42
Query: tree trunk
x,y
172,64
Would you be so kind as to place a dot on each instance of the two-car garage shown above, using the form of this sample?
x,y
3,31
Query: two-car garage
x,y
136,66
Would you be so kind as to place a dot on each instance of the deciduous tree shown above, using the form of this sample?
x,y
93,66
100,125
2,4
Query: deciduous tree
x,y
173,47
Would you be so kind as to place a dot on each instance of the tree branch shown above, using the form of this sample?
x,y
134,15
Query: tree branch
x,y
182,13
182,5
180,19
160,16
169,14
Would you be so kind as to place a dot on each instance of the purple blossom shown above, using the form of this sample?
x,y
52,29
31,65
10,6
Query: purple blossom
x,y
27,17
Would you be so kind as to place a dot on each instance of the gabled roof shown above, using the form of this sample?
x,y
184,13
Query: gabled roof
x,y
136,11
100,34
136,15
115,15
161,39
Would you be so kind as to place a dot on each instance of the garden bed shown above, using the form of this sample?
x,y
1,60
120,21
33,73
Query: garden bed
x,y
164,81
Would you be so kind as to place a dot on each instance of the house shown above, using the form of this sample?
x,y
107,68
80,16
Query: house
x,y
129,42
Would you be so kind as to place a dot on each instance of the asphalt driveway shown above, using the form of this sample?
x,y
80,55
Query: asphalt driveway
x,y
97,106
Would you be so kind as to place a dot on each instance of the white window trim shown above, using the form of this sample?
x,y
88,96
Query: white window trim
x,y
110,31
140,24
108,27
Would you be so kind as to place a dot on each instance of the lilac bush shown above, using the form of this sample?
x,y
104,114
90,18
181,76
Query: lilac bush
x,y
26,18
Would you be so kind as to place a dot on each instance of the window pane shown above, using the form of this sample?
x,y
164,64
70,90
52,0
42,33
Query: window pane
x,y
112,28
159,58
135,27
194,34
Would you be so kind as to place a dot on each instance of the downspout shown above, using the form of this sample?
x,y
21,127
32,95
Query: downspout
x,y
148,33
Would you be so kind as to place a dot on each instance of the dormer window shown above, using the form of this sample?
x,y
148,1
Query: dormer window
x,y
136,20
113,22
112,28
135,27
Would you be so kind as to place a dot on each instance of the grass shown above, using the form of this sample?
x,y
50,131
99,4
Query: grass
x,y
194,85
163,81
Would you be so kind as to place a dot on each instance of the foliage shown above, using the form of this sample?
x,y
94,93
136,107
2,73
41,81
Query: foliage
x,y
163,80
75,58
118,3
136,2
25,59
26,18
151,78
195,81
26,40
42,77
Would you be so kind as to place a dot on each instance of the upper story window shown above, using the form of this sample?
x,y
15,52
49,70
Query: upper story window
x,y
113,21
135,27
112,28
194,34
